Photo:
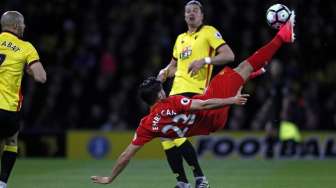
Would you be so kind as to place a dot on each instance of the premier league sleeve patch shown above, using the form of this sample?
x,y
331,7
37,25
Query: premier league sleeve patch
x,y
218,35
185,101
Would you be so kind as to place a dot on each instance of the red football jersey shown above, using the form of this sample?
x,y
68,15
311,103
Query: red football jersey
x,y
171,118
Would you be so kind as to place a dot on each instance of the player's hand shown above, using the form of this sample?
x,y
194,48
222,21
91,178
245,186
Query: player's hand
x,y
195,66
101,179
240,99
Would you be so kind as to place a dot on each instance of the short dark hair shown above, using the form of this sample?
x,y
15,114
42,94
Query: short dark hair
x,y
149,89
194,2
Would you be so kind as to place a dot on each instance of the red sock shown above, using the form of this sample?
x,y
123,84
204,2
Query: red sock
x,y
264,54
257,73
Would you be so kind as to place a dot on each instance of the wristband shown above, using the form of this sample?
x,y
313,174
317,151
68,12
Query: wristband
x,y
207,60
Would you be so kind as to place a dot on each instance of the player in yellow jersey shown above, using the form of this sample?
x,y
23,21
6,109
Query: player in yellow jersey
x,y
195,52
15,55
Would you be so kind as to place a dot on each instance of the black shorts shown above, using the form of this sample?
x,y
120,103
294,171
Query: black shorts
x,y
9,123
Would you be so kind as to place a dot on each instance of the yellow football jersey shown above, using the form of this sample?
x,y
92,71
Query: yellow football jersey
x,y
188,48
14,54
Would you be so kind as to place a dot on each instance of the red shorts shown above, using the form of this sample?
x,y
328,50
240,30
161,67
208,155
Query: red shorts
x,y
225,84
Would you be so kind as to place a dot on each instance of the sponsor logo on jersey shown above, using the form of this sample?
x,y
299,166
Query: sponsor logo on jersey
x,y
186,52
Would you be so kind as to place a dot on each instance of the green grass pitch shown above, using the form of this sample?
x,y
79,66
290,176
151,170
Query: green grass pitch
x,y
39,173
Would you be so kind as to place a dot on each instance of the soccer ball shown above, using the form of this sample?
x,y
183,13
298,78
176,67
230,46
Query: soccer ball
x,y
277,15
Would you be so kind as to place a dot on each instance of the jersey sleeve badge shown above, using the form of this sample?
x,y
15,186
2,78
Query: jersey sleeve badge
x,y
185,101
218,35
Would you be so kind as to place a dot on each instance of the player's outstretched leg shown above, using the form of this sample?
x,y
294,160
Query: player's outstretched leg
x,y
262,56
286,32
285,35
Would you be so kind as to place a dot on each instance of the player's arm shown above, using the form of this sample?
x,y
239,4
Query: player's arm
x,y
168,71
37,71
224,56
239,99
121,163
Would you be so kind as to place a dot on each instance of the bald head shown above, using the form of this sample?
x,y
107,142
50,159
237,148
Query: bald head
x,y
13,21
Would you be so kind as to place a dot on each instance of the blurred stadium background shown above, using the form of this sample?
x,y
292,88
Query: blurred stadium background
x,y
96,52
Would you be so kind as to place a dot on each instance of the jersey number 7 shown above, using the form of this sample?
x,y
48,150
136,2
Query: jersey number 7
x,y
2,58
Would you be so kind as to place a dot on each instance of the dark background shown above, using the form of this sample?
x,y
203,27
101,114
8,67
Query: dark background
x,y
96,52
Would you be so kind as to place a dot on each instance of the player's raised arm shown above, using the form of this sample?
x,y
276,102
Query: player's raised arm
x,y
37,71
239,99
121,163
168,71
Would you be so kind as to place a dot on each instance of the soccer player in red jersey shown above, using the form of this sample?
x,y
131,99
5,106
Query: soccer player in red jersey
x,y
201,47
179,116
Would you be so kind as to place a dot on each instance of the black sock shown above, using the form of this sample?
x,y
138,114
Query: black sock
x,y
7,163
189,154
175,162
